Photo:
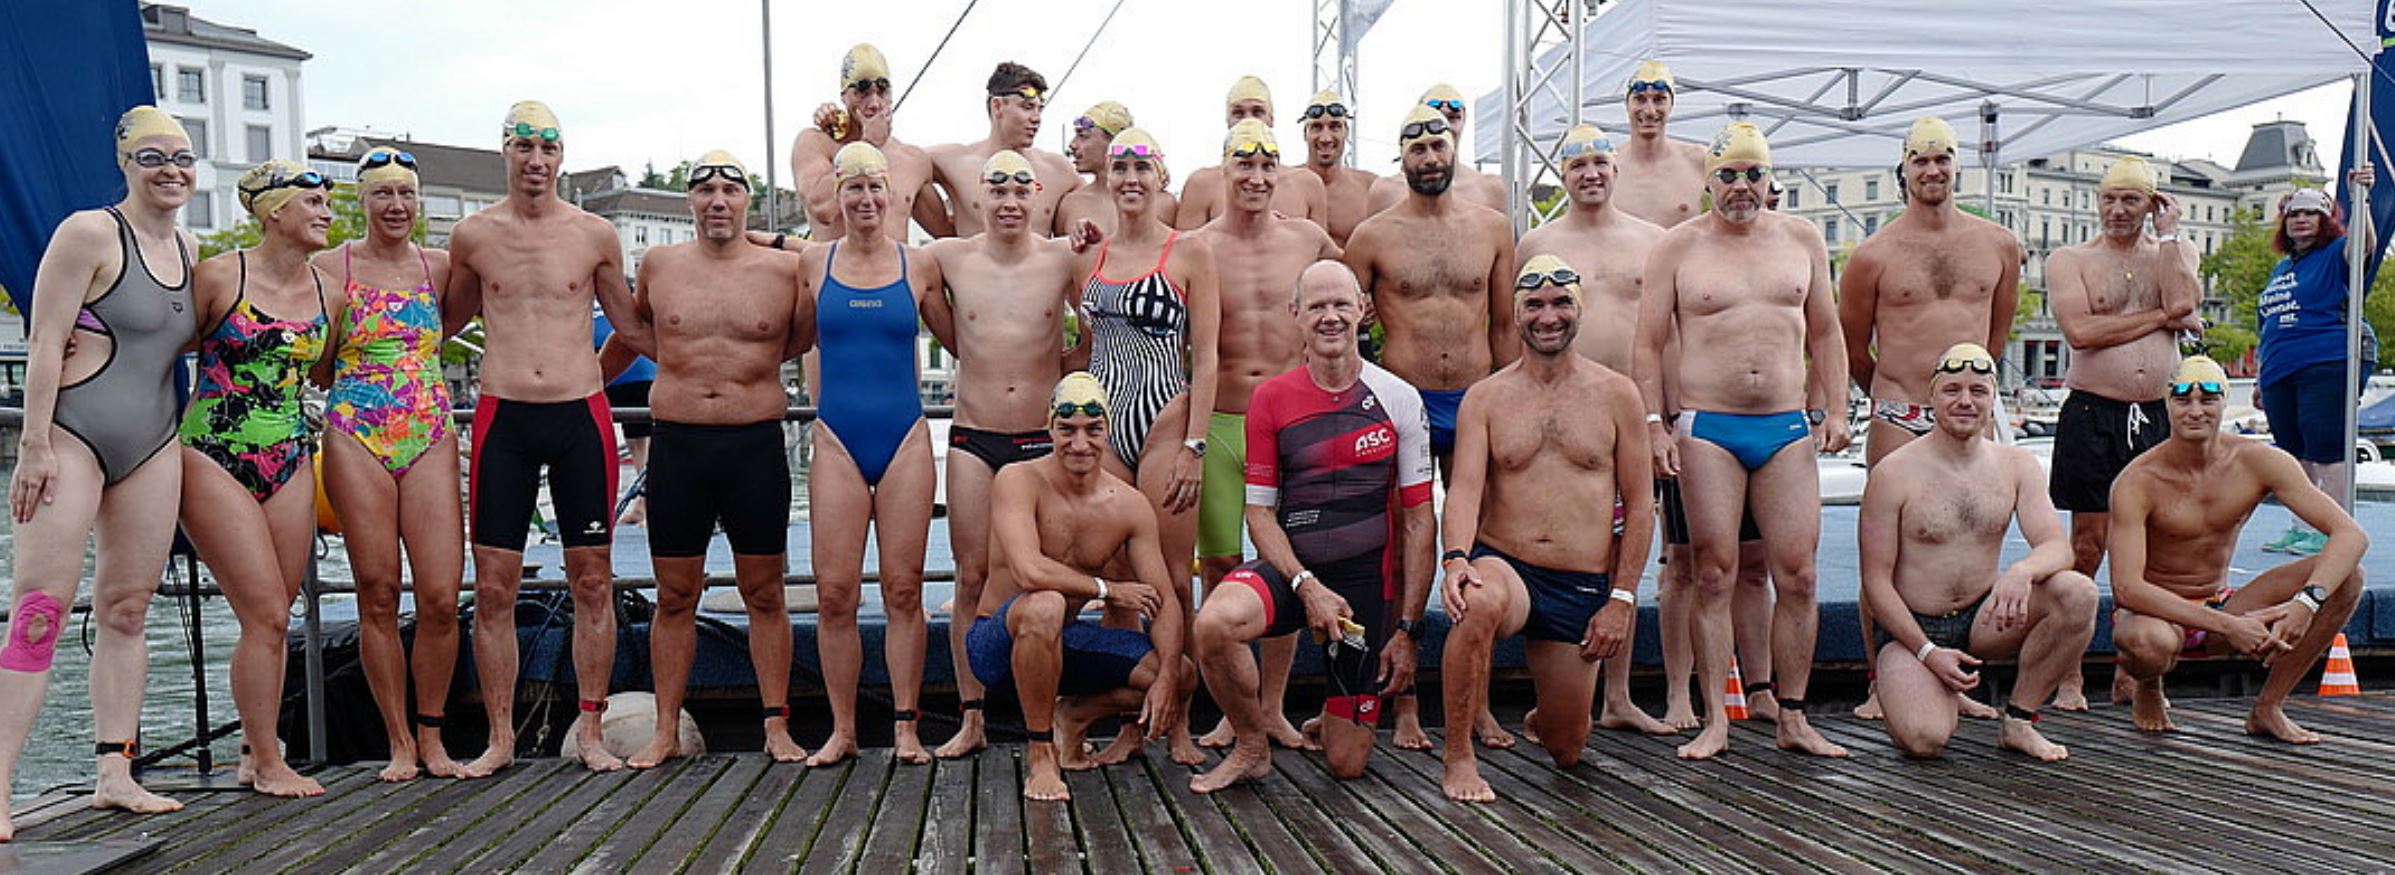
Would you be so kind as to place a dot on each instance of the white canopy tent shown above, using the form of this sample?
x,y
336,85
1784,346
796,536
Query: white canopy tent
x,y
1835,83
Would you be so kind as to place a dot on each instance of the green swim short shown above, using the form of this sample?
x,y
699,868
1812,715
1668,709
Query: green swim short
x,y
1222,497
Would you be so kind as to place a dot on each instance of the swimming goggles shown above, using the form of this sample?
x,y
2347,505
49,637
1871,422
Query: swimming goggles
x,y
881,84
1443,105
1956,365
384,157
1020,176
525,129
705,172
1430,127
1650,85
183,158
310,179
1562,276
1752,174
1334,110
1085,408
2210,387
1083,123
1138,150
1246,149
1023,91
1576,148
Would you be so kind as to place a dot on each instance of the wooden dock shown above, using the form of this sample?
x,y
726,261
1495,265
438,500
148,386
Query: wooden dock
x,y
2204,799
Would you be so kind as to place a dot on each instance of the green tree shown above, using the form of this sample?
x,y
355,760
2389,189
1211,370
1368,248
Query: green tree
x,y
2030,304
349,223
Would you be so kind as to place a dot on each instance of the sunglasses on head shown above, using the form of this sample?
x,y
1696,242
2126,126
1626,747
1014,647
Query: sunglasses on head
x,y
183,158
385,157
1334,110
705,172
1752,174
1654,85
1246,149
1959,365
1137,150
1085,408
879,83
1023,91
1020,176
1422,128
525,129
1444,105
2210,387
1562,276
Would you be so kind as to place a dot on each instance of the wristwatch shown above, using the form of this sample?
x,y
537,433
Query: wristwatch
x,y
2172,237
1453,555
2311,597
1196,445
1816,416
1411,628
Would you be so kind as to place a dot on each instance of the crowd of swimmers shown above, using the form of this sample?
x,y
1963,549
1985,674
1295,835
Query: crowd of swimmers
x,y
1666,358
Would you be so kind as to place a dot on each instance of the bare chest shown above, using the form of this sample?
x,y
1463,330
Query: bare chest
x,y
1718,281
2121,284
1433,260
1939,516
738,306
1929,269
1565,427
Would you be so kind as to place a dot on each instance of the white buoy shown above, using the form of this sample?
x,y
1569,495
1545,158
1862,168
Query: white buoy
x,y
630,721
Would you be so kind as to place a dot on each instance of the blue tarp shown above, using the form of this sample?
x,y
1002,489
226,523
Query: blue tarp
x,y
2378,417
68,68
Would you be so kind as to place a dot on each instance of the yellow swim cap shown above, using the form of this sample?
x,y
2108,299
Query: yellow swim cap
x,y
1248,137
2129,172
267,187
859,159
1135,141
1654,75
1543,269
141,123
863,63
718,163
1081,392
530,118
1249,88
1108,116
1583,139
2199,372
1930,134
1324,100
1431,124
1965,357
384,164
1738,141
1010,164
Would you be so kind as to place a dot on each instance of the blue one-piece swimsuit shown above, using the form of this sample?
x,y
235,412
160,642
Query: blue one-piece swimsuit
x,y
867,337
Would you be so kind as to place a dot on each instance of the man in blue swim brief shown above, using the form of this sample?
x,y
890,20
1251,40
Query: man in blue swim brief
x,y
1058,525
1750,289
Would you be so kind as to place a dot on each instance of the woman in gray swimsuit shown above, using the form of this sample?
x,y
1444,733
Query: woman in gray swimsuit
x,y
117,281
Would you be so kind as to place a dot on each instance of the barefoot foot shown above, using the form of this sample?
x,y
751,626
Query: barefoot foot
x,y
1798,735
2072,694
839,747
1247,762
907,747
591,746
1490,734
277,779
2022,735
1627,717
1709,743
1409,734
1221,736
1870,709
779,744
123,793
499,755
437,762
2148,708
968,739
664,744
1680,716
1763,706
2272,721
1287,735
1044,783
1975,709
1462,782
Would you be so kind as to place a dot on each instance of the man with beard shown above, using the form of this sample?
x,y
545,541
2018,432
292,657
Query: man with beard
x,y
1017,96
1933,277
1541,447
864,115
1205,196
1606,250
1662,179
1093,131
1751,289
1328,122
1472,185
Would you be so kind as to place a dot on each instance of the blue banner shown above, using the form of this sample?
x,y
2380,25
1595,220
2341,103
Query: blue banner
x,y
2382,124
68,68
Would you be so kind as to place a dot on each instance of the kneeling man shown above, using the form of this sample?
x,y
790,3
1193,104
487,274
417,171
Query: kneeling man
x,y
1542,447
2189,497
1062,532
1338,459
1933,525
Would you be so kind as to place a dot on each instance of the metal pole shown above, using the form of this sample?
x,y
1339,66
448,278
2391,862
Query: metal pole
x,y
2355,278
1517,201
773,206
199,663
319,749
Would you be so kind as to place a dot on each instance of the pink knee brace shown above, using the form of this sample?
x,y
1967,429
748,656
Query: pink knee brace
x,y
22,653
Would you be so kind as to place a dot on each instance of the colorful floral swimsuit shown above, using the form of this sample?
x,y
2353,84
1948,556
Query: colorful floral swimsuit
x,y
245,411
387,389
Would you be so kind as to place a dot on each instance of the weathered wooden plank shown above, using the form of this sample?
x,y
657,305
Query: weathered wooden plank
x,y
362,835
449,831
663,813
684,833
1392,847
1162,848
785,842
1561,828
947,847
1279,798
1275,844
729,845
544,818
1221,846
842,837
1474,823
1100,826
897,821
998,810
272,824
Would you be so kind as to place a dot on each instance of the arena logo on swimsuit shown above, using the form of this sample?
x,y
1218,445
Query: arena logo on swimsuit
x,y
864,303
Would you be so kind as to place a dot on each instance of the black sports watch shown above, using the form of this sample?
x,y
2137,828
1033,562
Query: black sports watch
x,y
1453,555
1816,416
1411,628
2311,597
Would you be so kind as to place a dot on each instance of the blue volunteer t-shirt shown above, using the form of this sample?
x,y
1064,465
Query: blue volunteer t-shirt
x,y
2302,313
641,371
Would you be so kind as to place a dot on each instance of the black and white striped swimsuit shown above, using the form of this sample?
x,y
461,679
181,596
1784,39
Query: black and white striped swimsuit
x,y
1138,330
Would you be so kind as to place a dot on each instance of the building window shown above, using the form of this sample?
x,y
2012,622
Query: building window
x,y
640,235
2004,183
1871,189
261,142
199,212
158,80
253,92
1830,190
1829,229
191,85
198,129
1870,225
441,206
1790,197
2045,197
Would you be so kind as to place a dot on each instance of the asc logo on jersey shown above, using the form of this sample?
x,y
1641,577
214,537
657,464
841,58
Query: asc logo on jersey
x,y
1374,441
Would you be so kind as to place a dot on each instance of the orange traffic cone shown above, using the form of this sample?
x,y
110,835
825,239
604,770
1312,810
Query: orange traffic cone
x,y
2337,679
1733,693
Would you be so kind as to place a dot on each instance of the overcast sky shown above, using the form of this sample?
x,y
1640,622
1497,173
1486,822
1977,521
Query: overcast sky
x,y
636,81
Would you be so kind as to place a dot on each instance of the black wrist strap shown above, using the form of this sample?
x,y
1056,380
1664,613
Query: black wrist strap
x,y
970,704
780,238
905,715
1453,555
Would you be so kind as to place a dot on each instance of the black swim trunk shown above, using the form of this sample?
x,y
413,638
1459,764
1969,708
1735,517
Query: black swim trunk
x,y
2094,438
634,393
999,449
1097,659
1951,630
1675,516
513,441
702,475
1351,692
1561,602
